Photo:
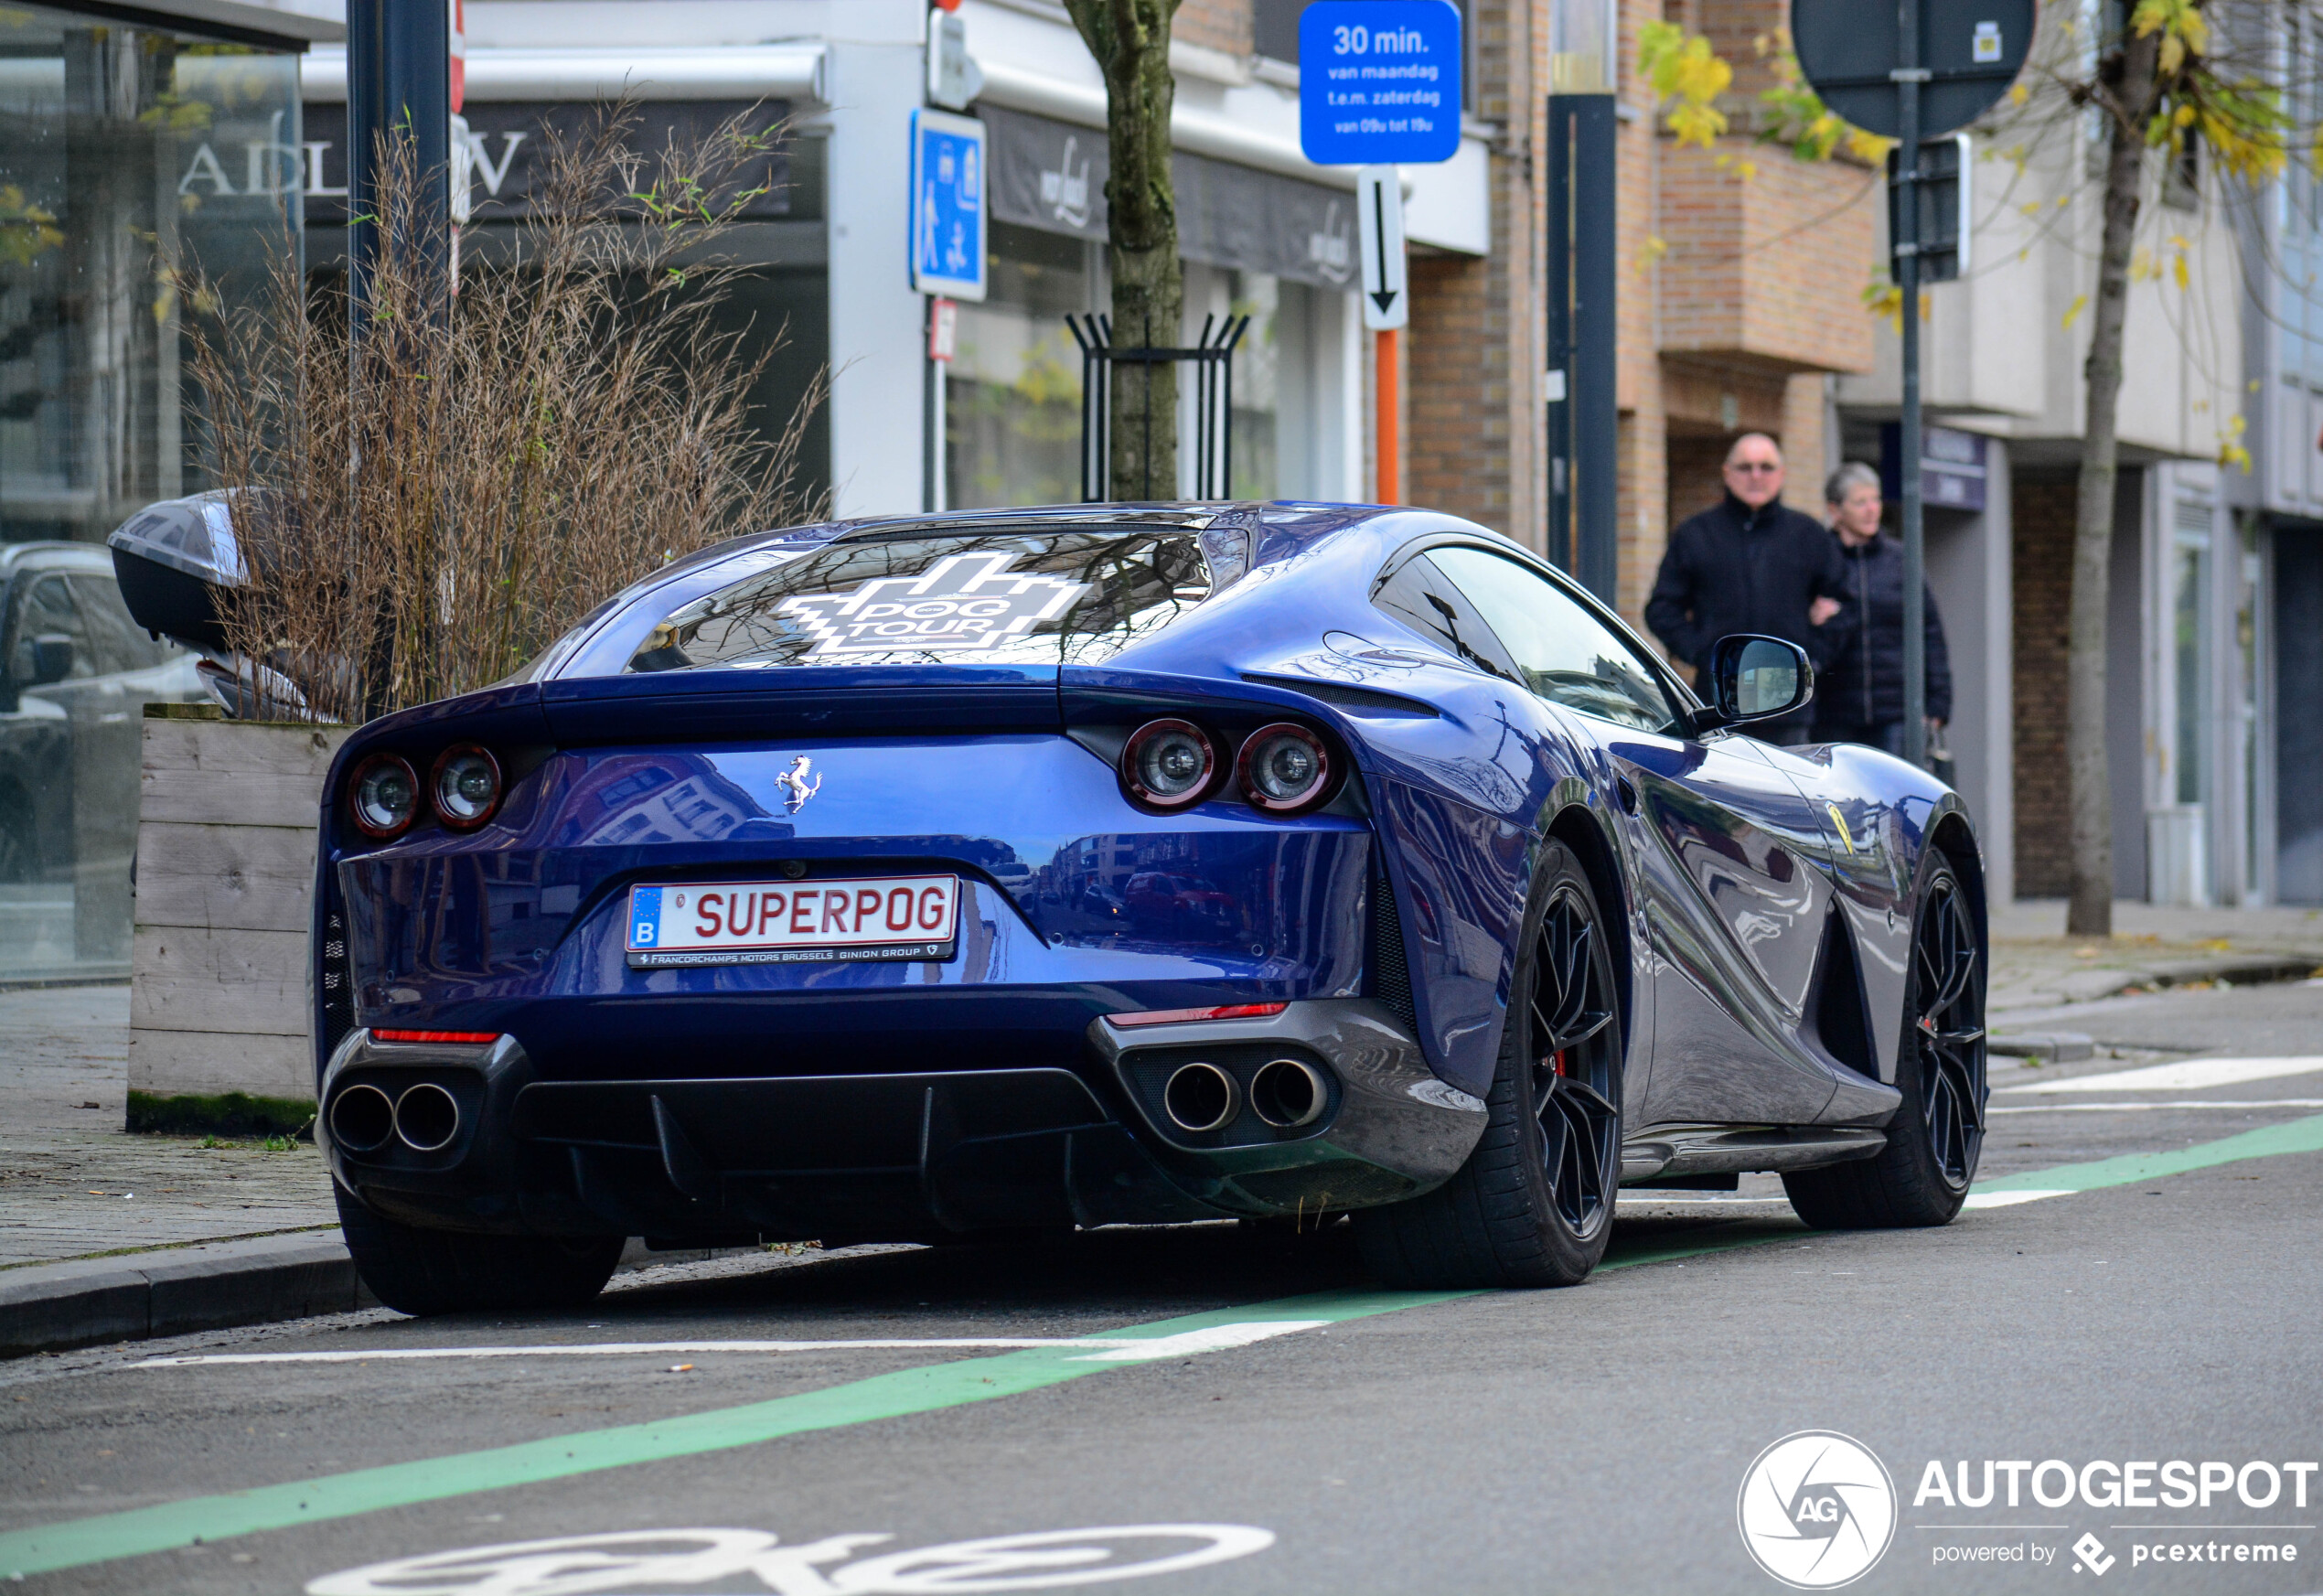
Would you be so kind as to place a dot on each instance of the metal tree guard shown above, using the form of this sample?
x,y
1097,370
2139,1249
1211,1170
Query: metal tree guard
x,y
1213,360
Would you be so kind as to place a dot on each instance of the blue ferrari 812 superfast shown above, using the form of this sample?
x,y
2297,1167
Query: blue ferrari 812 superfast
x,y
1016,871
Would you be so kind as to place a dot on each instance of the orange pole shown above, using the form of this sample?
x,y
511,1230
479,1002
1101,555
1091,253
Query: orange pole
x,y
1391,476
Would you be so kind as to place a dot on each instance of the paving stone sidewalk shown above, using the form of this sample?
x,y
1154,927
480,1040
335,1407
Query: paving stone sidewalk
x,y
2037,967
74,1184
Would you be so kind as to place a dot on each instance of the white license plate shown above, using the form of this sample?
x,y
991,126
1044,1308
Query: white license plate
x,y
792,922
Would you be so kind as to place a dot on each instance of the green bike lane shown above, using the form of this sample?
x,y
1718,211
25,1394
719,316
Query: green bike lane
x,y
1021,1402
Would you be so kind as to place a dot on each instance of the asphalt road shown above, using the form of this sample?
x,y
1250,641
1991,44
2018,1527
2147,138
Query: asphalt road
x,y
1304,1432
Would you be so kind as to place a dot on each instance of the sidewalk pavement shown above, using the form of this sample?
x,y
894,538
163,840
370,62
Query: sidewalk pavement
x,y
105,1235
2036,967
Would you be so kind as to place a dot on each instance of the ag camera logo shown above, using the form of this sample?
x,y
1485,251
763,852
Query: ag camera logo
x,y
1817,1510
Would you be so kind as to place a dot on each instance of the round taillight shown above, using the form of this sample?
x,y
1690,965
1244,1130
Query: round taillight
x,y
1169,764
1284,768
466,786
384,795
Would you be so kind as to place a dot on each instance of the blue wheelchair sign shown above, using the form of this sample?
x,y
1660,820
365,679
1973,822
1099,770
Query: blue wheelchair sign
x,y
948,204
1379,82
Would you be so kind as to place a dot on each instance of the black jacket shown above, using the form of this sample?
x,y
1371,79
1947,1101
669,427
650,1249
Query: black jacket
x,y
1733,569
1863,685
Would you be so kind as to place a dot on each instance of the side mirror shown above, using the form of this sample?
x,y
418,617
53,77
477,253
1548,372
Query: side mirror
x,y
52,659
1754,678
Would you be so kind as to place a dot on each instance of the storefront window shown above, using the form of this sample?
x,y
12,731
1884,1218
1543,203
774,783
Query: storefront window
x,y
2190,594
147,179
1013,398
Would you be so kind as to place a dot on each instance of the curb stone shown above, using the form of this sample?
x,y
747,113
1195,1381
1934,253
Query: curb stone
x,y
51,1307
2054,1047
218,1285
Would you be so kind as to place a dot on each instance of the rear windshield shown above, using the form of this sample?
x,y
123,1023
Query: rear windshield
x,y
1008,598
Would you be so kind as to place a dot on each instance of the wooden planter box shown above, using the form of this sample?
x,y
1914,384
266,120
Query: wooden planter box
x,y
218,1029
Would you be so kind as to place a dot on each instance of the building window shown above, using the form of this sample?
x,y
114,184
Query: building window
x,y
149,182
1012,394
142,174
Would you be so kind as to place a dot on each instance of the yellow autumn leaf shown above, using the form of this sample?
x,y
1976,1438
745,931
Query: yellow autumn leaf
x,y
2177,268
2018,94
2073,311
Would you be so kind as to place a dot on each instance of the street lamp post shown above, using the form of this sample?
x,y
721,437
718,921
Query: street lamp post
x,y
398,86
1579,286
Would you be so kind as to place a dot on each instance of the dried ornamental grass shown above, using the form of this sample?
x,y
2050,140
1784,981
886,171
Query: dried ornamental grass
x,y
439,507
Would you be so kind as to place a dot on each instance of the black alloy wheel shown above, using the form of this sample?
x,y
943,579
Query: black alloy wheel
x,y
1574,1067
1534,1204
1938,1133
1948,1032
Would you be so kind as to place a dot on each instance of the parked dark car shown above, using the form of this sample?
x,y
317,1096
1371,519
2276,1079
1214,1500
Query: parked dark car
x,y
1519,918
75,672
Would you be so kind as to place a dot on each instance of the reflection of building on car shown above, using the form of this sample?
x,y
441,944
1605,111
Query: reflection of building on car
x,y
1163,903
74,672
1259,860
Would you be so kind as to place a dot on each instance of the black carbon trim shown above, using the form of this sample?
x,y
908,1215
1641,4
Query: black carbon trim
x,y
1390,973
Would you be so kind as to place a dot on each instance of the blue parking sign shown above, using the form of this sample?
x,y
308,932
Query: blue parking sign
x,y
948,204
1379,82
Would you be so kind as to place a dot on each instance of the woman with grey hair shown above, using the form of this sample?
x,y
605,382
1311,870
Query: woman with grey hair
x,y
1858,697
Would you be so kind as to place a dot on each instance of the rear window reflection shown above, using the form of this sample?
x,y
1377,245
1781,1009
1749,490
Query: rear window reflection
x,y
1065,599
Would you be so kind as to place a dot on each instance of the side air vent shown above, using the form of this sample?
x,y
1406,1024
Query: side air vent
x,y
1390,975
1841,1024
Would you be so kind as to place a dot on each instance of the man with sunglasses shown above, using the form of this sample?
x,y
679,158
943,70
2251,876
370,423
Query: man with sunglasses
x,y
1751,563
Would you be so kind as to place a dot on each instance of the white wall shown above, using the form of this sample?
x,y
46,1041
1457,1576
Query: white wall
x,y
2003,349
1969,576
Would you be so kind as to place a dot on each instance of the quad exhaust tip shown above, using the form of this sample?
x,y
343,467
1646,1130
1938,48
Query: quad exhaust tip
x,y
426,1118
1288,1093
362,1118
1201,1097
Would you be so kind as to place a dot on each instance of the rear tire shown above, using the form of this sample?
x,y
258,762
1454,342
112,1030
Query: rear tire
x,y
1934,1142
1534,1204
421,1272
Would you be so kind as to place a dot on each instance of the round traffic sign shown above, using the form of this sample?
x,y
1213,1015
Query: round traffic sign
x,y
1971,50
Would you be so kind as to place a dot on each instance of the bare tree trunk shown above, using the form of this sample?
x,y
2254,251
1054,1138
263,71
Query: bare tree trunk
x,y
1130,39
2134,92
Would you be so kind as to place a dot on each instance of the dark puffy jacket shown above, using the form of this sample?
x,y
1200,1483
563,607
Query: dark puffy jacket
x,y
1863,686
1734,569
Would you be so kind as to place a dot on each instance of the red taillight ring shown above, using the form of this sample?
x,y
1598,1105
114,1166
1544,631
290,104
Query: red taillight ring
x,y
453,1038
1310,797
435,787
376,765
1143,791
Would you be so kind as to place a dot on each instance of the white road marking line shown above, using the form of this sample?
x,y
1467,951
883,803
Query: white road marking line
x,y
2006,1199
1217,1338
2128,1108
634,1349
2185,1074
1105,1349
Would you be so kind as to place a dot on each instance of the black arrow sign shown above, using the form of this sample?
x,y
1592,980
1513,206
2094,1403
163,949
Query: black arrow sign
x,y
1383,295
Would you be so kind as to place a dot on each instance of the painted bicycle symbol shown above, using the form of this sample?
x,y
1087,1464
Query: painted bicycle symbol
x,y
662,1559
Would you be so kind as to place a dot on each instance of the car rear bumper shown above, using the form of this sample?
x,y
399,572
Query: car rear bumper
x,y
903,1156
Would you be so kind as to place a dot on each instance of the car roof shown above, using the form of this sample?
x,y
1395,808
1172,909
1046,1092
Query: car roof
x,y
54,556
